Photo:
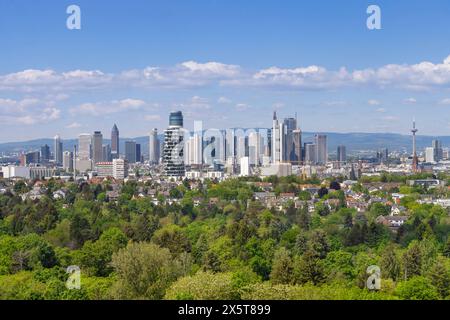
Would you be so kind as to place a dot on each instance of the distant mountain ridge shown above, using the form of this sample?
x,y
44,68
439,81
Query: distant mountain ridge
x,y
353,142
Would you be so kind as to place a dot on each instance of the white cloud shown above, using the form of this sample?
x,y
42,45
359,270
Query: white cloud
x,y
381,110
74,125
421,76
445,101
103,108
373,102
410,101
242,106
28,111
152,117
224,100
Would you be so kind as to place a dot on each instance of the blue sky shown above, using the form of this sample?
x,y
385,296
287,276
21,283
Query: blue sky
x,y
228,63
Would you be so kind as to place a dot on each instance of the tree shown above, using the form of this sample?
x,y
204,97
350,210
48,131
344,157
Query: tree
x,y
446,251
318,244
440,278
412,260
204,286
172,238
322,192
144,271
390,264
417,288
282,267
309,268
335,185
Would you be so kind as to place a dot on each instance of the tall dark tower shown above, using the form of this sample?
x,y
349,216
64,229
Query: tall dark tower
x,y
415,161
115,142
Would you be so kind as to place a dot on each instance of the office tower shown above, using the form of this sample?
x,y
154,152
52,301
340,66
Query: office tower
x,y
193,150
254,148
240,147
310,153
341,154
278,131
45,153
130,151
438,151
245,166
115,152
290,124
383,155
106,153
138,152
297,144
33,157
230,144
154,148
84,146
415,161
173,156
430,154
97,147
58,150
120,169
321,148
68,161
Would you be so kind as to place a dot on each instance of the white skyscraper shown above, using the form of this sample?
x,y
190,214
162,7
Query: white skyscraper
x,y
68,161
245,166
97,147
321,148
120,169
430,154
240,147
84,146
154,147
254,148
277,140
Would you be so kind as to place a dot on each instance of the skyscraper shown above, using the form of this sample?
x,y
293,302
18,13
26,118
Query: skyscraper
x,y
321,148
278,131
58,150
290,124
438,151
68,161
310,153
154,147
115,152
84,146
173,156
97,147
45,153
297,144
130,151
341,154
254,148
138,152
107,153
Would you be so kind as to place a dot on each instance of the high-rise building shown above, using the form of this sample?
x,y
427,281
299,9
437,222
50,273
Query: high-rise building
x,y
290,124
120,169
254,148
173,156
68,161
154,148
33,157
97,147
341,154
84,146
278,131
130,151
58,150
107,153
383,155
310,153
430,154
138,152
193,150
438,150
245,166
45,153
297,143
115,152
321,148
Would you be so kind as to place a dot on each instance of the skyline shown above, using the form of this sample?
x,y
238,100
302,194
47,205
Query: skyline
x,y
317,60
